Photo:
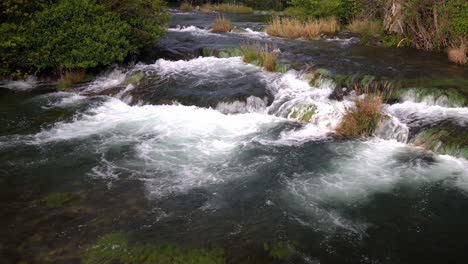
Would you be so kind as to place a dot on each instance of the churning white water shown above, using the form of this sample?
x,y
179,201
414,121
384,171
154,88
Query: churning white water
x,y
177,148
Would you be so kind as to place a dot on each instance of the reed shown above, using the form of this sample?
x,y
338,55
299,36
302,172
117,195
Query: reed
x,y
263,56
221,25
229,8
294,28
365,27
186,7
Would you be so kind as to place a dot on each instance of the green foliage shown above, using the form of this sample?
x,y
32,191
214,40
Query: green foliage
x,y
458,15
115,248
78,34
305,9
40,35
147,19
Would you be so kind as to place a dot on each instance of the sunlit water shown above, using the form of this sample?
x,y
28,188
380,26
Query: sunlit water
x,y
208,153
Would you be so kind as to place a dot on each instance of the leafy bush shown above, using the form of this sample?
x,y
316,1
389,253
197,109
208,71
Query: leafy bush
x,y
147,19
78,34
42,35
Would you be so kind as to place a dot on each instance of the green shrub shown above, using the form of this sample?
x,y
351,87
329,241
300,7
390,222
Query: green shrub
x,y
147,19
78,34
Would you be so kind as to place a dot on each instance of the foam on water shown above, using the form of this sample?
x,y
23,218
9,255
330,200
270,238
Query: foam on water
x,y
28,84
192,30
422,113
105,81
362,169
176,148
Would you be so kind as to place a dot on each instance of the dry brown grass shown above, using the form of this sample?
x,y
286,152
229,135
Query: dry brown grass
x,y
458,53
186,7
294,28
365,27
229,8
70,77
221,25
363,119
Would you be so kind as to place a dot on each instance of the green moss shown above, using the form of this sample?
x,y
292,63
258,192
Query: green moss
x,y
279,250
134,78
303,112
445,139
282,67
115,248
57,200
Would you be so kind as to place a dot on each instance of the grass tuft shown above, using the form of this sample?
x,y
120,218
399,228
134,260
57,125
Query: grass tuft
x,y
229,8
458,53
186,7
363,119
365,27
294,28
70,77
261,56
221,25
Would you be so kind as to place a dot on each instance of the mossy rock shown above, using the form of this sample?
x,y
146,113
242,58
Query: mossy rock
x,y
115,248
58,200
454,97
221,53
134,78
445,138
303,112
279,250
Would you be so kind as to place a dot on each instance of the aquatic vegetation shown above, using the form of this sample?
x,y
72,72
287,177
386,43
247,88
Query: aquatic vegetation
x,y
303,112
115,248
261,56
445,138
362,119
279,250
294,28
229,8
451,97
221,25
186,7
57,200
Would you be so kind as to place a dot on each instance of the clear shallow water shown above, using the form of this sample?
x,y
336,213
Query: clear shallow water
x,y
207,153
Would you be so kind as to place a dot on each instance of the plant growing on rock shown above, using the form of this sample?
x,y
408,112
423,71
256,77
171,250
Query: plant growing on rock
x,y
221,25
362,119
261,56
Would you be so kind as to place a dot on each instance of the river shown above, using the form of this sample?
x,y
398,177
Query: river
x,y
204,152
